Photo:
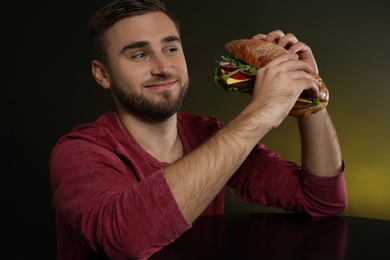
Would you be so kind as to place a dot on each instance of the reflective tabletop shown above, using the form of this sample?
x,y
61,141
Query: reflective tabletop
x,y
281,236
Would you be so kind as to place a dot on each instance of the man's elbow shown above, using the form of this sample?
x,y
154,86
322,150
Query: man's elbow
x,y
328,209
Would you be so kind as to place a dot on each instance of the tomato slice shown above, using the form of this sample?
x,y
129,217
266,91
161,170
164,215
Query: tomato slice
x,y
238,76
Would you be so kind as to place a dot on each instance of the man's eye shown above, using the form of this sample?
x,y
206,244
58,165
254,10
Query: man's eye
x,y
139,55
171,50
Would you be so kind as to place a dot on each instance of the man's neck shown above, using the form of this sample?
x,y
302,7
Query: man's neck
x,y
160,139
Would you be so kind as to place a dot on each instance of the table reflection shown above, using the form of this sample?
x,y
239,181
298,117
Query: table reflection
x,y
279,236
261,236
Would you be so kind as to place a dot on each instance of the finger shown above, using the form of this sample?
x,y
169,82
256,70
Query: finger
x,y
287,41
299,47
283,58
313,84
289,62
259,36
298,68
274,36
305,53
301,81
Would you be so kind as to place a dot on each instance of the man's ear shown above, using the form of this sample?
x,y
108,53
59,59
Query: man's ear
x,y
100,73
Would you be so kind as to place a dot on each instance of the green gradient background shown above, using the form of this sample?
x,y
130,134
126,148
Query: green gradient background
x,y
48,89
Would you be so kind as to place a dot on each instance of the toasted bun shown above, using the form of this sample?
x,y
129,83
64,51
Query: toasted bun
x,y
259,53
255,52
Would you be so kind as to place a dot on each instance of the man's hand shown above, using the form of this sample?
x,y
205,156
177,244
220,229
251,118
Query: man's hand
x,y
280,82
290,43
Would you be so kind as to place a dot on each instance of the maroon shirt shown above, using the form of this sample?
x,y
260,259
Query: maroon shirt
x,y
110,195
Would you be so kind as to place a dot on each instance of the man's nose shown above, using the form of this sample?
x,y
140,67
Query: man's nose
x,y
161,66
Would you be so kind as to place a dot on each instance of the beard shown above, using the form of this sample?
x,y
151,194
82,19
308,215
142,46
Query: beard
x,y
149,109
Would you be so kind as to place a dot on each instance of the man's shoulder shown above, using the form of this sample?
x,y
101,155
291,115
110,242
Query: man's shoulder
x,y
103,127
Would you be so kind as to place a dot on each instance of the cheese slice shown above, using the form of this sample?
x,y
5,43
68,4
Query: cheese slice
x,y
231,81
304,100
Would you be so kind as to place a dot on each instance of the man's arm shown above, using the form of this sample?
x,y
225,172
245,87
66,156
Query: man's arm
x,y
196,178
321,153
320,147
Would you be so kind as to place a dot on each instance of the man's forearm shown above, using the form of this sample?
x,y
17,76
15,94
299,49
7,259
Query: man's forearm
x,y
321,153
196,178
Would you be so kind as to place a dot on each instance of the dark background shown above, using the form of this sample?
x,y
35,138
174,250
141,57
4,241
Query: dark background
x,y
47,89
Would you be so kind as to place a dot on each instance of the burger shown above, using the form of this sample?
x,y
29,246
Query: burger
x,y
236,72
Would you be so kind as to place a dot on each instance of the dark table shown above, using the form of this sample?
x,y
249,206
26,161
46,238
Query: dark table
x,y
281,236
276,236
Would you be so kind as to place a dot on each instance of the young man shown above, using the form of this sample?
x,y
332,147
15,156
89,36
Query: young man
x,y
134,180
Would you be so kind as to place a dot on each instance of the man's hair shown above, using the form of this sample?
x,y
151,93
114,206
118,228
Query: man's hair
x,y
107,16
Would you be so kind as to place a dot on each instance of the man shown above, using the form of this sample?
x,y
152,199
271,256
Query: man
x,y
131,182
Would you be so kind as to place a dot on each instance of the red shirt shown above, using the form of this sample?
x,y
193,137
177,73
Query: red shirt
x,y
110,195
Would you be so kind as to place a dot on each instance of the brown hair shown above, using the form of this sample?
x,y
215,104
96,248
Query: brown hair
x,y
108,15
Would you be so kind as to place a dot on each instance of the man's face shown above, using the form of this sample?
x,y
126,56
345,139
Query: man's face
x,y
148,72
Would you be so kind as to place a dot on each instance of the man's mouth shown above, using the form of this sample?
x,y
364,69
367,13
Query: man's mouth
x,y
161,85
